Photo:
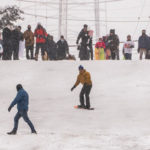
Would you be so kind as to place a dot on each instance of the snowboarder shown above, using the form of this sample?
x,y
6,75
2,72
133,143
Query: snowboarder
x,y
84,78
22,101
127,48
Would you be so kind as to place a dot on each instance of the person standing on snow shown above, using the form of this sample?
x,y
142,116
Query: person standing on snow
x,y
143,44
84,78
51,47
29,42
127,48
113,44
7,43
16,37
86,42
41,35
62,48
22,101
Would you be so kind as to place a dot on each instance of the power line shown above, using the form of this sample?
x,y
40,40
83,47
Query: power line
x,y
75,3
83,20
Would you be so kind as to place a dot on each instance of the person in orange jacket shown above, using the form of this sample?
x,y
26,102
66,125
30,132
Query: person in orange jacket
x,y
84,78
41,35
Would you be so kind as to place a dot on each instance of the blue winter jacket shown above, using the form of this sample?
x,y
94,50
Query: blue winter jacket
x,y
144,42
22,100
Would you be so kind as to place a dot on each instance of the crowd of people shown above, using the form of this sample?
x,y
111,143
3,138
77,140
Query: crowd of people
x,y
106,48
10,39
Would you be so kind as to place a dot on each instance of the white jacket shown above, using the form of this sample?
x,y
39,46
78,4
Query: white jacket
x,y
127,47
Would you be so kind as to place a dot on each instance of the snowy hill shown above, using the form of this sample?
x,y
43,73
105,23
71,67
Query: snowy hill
x,y
120,95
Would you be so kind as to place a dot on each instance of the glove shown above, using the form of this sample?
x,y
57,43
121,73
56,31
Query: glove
x,y
9,109
72,88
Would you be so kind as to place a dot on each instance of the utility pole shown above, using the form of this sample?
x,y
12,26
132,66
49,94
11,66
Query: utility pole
x,y
63,16
97,19
106,16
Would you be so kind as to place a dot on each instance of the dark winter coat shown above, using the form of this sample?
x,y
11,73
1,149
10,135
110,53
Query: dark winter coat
x,y
83,36
144,42
113,42
51,49
6,35
16,37
22,100
62,49
1,42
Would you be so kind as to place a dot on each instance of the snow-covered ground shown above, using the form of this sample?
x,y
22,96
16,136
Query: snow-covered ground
x,y
120,95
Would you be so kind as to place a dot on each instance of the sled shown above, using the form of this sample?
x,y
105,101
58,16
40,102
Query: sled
x,y
96,54
77,107
99,54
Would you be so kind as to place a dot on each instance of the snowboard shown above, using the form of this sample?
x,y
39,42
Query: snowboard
x,y
76,107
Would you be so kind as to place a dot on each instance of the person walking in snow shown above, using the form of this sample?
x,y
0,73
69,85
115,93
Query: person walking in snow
x,y
84,77
22,101
127,48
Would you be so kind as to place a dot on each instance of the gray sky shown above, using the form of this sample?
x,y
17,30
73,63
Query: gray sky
x,y
125,10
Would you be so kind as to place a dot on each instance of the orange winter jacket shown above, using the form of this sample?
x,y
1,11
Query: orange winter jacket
x,y
84,78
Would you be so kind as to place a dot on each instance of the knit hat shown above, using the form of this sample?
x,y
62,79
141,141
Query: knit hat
x,y
81,67
18,87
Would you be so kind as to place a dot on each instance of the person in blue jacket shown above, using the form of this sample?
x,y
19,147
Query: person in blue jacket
x,y
143,44
22,101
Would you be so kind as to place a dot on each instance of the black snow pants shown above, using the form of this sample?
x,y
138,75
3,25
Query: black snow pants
x,y
85,91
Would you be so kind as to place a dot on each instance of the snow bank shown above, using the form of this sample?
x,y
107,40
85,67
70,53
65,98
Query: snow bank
x,y
120,95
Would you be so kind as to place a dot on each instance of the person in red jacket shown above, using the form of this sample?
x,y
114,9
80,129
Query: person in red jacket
x,y
100,44
41,35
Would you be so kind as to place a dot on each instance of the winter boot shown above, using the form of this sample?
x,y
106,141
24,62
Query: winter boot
x,y
36,57
12,133
34,132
